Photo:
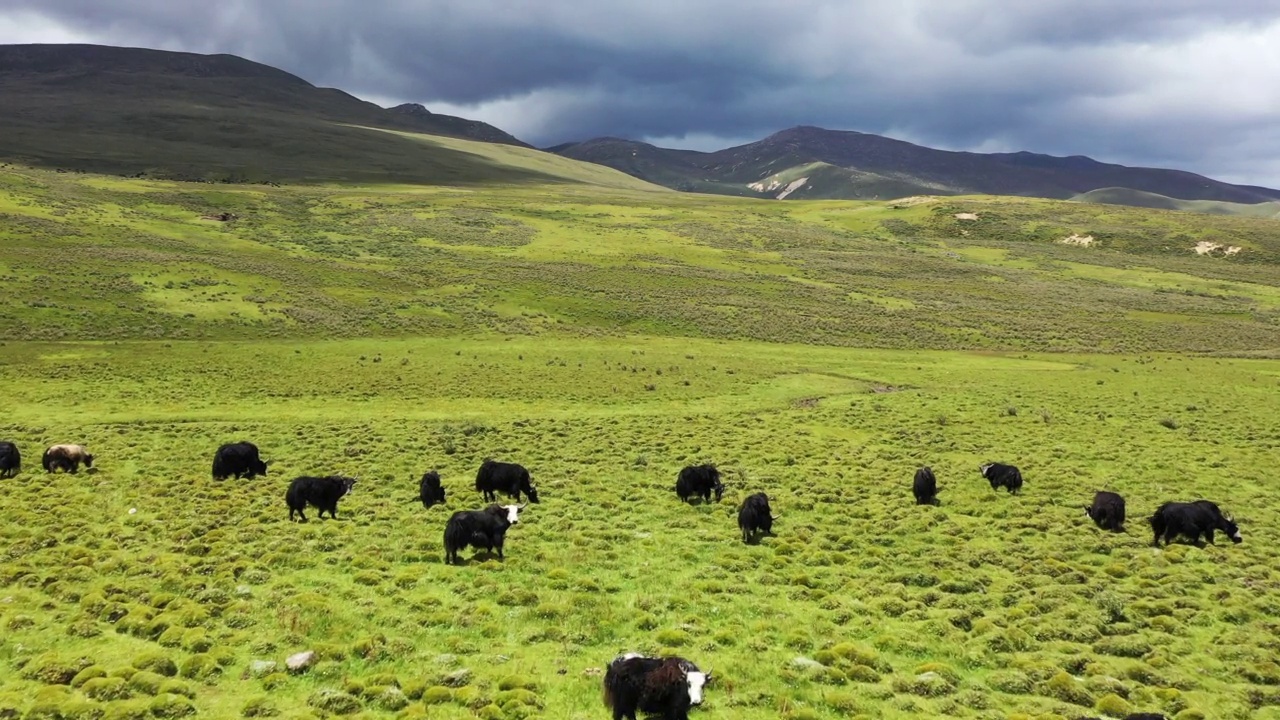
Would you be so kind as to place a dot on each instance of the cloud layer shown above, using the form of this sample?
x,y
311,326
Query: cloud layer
x,y
1174,83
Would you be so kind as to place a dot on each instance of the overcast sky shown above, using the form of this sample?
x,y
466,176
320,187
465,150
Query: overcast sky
x,y
1193,84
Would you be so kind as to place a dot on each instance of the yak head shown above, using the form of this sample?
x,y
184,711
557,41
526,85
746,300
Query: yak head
x,y
1231,529
696,679
530,491
347,484
260,467
88,460
984,468
513,512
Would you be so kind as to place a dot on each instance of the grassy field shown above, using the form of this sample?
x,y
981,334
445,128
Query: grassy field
x,y
87,257
1014,603
606,336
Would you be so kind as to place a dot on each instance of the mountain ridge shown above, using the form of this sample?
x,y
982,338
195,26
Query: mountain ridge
x,y
911,167
188,116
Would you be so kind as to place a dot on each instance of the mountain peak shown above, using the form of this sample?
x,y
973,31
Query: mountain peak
x,y
414,109
857,165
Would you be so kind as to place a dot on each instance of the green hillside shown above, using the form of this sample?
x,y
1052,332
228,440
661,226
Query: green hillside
x,y
1135,198
138,258
220,118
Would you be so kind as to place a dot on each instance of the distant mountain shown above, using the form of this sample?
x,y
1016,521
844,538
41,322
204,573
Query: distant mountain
x,y
1137,198
810,162
221,117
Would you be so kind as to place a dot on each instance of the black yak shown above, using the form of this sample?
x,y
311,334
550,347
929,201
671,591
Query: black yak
x,y
1107,511
925,487
1002,476
10,460
66,457
755,515
666,687
430,491
482,529
1191,520
239,459
699,480
507,478
322,492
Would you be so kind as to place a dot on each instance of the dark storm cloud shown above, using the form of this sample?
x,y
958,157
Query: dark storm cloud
x,y
1162,82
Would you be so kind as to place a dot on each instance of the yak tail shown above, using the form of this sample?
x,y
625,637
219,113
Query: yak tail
x,y
607,694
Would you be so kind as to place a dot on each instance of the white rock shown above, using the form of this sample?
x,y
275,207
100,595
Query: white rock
x,y
300,661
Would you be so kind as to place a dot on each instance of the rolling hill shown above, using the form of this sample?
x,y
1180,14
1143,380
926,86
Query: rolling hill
x,y
185,116
811,163
1137,198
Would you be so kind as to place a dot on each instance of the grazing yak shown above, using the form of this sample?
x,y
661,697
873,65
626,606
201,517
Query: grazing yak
x,y
755,515
10,460
506,478
1192,519
239,459
66,457
430,491
1002,476
322,492
665,687
1107,511
701,480
925,487
482,529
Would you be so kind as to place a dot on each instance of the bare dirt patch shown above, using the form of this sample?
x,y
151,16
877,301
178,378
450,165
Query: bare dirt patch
x,y
907,202
1076,239
1205,247
966,216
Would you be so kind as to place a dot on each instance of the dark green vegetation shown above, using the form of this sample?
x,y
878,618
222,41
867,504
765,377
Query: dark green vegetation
x,y
147,588
86,257
215,117
813,163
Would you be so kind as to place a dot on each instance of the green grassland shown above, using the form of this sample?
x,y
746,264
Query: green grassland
x,y
604,335
88,257
1013,602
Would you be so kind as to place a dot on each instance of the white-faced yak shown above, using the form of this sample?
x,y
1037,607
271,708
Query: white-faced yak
x,y
1002,476
482,529
1192,520
665,687
699,480
10,460
66,457
322,492
239,459
507,478
1107,511
755,516
925,487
